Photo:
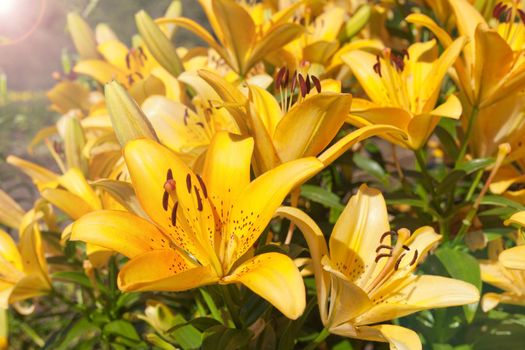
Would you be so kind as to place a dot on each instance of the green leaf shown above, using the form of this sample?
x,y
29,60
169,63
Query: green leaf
x,y
371,167
475,165
221,337
501,202
447,141
462,266
203,323
320,195
186,335
122,328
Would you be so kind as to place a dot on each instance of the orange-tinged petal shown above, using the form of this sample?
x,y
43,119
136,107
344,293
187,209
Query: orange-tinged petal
x,y
451,108
33,260
227,170
266,107
163,270
400,338
188,218
119,231
231,17
256,205
274,277
311,125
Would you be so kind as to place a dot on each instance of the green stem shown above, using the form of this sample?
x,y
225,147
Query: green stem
x,y
211,304
318,340
427,178
468,135
474,184
230,305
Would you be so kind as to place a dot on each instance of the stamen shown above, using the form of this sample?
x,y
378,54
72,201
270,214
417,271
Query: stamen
x,y
203,186
199,200
170,186
302,85
174,214
165,198
186,116
128,61
142,54
498,9
386,234
522,15
377,67
169,175
384,246
188,183
308,84
279,77
294,81
379,256
396,267
201,124
317,83
405,247
414,258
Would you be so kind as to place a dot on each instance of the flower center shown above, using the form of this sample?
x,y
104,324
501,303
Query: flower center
x,y
287,87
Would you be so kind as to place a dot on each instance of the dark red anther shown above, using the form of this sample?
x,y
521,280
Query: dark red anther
x,y
399,261
498,9
414,259
522,15
508,15
174,214
286,79
201,124
186,117
302,85
379,256
294,81
317,83
188,183
308,84
142,53
405,247
279,77
128,60
169,175
386,234
199,200
203,186
404,53
377,67
384,246
165,199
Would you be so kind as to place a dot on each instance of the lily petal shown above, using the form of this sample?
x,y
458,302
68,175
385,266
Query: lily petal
x,y
274,277
74,206
317,246
513,258
256,205
10,212
310,126
418,293
400,338
163,270
9,250
119,231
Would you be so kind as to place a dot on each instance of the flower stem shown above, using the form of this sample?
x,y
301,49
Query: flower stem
x,y
230,305
468,134
318,340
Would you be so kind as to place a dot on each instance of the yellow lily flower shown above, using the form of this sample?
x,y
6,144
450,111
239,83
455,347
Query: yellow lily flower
x,y
505,269
11,213
3,330
404,90
301,126
240,49
365,275
204,226
23,269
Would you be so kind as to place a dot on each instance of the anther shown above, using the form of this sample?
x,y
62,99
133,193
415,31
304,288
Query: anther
x,y
379,256
414,258
498,9
522,15
199,200
169,175
386,234
396,267
405,247
174,214
203,186
188,183
308,84
128,61
384,246
279,77
186,116
317,83
377,67
294,81
165,198
302,85
201,124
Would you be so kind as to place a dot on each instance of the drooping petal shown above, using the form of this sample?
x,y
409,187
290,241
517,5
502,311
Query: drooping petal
x,y
101,71
227,170
418,293
513,258
163,270
256,205
311,125
33,259
119,231
317,246
400,338
358,233
516,219
274,277
451,108
10,212
187,218
490,301
71,204
40,175
9,250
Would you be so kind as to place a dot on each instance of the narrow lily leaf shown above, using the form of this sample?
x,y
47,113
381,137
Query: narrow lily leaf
x,y
476,164
501,202
221,337
354,25
322,196
83,36
158,44
122,328
127,118
371,167
450,180
465,267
